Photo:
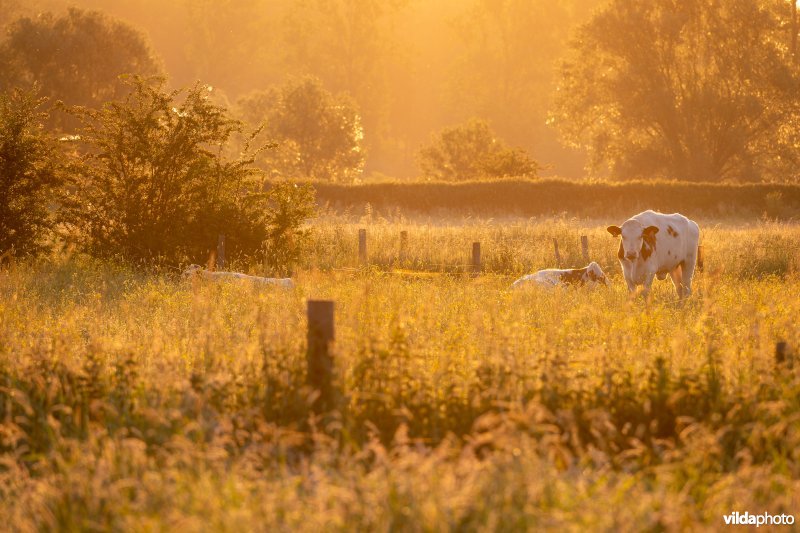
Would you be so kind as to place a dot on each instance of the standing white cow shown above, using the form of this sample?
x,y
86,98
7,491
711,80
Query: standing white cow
x,y
654,244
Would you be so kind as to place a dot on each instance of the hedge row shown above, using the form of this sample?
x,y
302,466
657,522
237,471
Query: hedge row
x,y
553,196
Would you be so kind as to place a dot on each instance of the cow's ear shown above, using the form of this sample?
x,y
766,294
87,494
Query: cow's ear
x,y
649,231
614,230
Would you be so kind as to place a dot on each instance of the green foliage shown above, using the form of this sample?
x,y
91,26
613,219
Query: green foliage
x,y
471,151
288,208
154,183
697,90
76,57
319,135
28,173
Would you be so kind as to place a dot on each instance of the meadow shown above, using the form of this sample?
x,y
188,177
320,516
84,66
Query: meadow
x,y
133,400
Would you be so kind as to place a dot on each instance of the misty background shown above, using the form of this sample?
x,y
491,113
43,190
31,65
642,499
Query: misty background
x,y
413,67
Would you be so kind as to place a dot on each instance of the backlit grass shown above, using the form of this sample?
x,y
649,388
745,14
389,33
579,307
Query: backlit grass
x,y
139,401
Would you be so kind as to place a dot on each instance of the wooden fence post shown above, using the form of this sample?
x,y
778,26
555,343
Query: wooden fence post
x,y
558,255
319,358
221,251
403,245
476,258
585,247
700,258
362,247
781,352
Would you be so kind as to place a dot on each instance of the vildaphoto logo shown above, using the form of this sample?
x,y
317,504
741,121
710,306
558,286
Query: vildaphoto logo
x,y
764,519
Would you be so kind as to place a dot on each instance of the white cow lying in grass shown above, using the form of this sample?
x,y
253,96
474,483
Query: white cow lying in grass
x,y
552,277
198,271
654,245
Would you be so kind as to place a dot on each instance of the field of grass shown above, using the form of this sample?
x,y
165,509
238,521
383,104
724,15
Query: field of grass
x,y
140,401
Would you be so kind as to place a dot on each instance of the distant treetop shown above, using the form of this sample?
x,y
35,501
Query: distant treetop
x,y
76,57
471,151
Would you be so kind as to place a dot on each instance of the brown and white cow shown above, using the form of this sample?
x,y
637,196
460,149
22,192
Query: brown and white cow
x,y
654,245
552,277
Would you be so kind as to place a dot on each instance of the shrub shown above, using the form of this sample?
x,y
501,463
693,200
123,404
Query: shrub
x,y
288,207
154,184
471,151
28,173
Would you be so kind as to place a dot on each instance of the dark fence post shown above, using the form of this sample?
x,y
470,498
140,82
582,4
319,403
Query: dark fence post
x,y
585,247
781,353
558,255
700,258
319,358
362,247
403,245
221,251
476,258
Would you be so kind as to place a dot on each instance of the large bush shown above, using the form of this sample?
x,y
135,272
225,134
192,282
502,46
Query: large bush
x,y
318,134
154,183
472,151
28,173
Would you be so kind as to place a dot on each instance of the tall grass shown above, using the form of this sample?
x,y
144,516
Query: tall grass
x,y
138,401
515,246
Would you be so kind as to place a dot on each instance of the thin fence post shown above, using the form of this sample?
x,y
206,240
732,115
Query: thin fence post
x,y
319,358
362,247
781,352
585,247
221,251
700,258
558,255
476,258
403,245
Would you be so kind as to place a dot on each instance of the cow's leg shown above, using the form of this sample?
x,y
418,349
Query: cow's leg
x,y
628,275
631,285
677,280
688,272
648,282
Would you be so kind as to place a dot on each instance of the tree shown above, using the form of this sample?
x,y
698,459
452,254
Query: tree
x,y
687,89
471,151
503,68
351,45
28,173
212,52
77,57
7,10
154,184
318,135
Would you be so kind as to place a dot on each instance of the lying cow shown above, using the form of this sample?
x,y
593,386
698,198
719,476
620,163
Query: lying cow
x,y
552,277
198,271
654,245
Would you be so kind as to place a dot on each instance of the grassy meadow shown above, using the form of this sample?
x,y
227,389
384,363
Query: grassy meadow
x,y
144,402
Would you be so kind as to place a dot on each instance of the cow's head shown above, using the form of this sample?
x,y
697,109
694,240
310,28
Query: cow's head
x,y
192,270
637,241
595,274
